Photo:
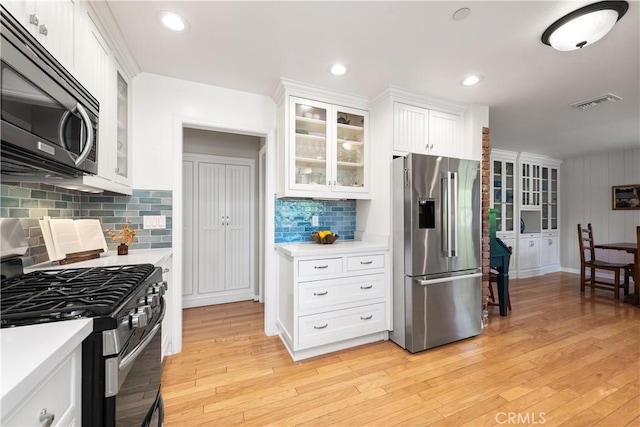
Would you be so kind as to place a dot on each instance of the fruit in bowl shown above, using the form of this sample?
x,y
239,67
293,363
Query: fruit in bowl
x,y
324,237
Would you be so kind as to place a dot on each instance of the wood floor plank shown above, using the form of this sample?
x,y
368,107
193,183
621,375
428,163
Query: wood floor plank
x,y
569,357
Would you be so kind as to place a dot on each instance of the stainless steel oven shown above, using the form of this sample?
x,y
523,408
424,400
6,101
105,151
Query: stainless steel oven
x,y
49,120
121,358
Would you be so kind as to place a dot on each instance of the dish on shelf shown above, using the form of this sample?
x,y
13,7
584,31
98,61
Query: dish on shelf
x,y
302,131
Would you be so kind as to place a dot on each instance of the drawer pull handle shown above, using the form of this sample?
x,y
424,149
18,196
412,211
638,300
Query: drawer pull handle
x,y
318,294
46,419
369,317
320,267
321,327
366,287
366,262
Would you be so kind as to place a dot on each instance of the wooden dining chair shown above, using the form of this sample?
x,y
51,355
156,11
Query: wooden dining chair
x,y
589,262
493,278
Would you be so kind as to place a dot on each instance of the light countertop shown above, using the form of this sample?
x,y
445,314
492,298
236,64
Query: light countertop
x,y
136,256
29,353
339,247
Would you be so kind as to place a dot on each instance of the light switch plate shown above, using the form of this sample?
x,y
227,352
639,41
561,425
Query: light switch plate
x,y
156,222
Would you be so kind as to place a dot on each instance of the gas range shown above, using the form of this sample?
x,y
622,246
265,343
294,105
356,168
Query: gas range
x,y
72,293
121,359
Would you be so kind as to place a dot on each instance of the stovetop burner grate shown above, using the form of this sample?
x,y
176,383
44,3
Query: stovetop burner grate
x,y
52,295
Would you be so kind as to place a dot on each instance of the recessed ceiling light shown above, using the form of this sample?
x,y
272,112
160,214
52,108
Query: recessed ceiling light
x,y
338,69
584,26
173,21
471,80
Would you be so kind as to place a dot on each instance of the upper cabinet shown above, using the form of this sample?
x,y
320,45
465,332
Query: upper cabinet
x,y
425,131
51,23
550,190
503,176
530,182
323,148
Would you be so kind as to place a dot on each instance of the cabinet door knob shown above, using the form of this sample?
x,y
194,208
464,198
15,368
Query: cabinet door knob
x,y
43,29
45,418
33,19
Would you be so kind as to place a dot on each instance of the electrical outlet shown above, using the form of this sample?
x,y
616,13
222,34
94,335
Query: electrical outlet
x,y
156,222
315,221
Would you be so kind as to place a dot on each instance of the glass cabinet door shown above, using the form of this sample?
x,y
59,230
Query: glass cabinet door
x,y
503,180
122,136
349,149
553,199
509,169
310,149
545,198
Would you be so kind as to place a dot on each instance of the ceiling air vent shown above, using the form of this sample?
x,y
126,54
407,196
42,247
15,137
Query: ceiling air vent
x,y
608,97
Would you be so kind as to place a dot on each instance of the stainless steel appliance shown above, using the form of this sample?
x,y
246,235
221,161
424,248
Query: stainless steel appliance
x,y
49,121
436,251
121,359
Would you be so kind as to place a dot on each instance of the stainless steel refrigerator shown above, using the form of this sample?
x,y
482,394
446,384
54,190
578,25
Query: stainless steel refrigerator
x,y
437,280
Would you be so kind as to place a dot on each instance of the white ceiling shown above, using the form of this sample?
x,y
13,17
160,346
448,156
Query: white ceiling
x,y
417,46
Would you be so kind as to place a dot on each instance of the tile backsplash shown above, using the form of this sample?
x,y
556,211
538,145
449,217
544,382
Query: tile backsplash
x,y
293,219
31,201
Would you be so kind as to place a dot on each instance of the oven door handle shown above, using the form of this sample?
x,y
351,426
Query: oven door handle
x,y
129,358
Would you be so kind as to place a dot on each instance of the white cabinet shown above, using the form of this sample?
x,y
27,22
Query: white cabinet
x,y
333,301
503,180
550,191
424,131
328,150
51,23
166,322
550,251
528,255
218,239
57,397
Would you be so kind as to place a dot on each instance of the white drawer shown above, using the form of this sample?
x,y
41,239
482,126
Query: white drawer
x,y
339,293
58,394
365,262
319,267
325,328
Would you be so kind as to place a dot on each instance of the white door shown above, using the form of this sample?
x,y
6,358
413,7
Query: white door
x,y
218,230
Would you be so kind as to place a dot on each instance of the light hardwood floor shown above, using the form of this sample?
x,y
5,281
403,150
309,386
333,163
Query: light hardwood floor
x,y
559,358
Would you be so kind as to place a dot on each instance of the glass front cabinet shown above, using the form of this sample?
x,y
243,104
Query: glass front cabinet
x,y
503,179
549,198
328,149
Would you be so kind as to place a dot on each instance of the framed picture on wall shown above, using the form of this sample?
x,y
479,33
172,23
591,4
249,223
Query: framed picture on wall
x,y
624,197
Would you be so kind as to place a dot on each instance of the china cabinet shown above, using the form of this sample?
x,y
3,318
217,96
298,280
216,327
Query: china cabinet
x,y
333,300
503,169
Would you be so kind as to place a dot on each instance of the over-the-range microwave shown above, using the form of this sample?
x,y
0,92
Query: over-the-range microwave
x,y
49,120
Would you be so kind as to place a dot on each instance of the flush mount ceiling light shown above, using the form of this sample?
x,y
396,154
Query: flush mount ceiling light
x,y
338,69
584,26
173,21
471,80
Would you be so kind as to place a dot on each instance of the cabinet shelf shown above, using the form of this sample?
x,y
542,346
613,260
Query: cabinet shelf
x,y
311,137
311,161
350,165
350,142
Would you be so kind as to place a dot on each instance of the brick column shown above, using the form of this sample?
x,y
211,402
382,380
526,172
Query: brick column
x,y
486,200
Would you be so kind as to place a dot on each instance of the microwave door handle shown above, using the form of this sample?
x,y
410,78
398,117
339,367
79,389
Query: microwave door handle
x,y
89,131
86,149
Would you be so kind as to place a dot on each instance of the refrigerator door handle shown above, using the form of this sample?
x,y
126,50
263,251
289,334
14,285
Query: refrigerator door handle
x,y
446,214
454,213
428,282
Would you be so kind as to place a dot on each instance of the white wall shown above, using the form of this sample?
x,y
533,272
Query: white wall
x,y
157,101
161,108
585,197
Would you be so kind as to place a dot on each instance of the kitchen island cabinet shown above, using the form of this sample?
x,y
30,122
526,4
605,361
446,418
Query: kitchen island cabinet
x,y
41,373
332,297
